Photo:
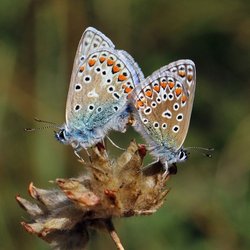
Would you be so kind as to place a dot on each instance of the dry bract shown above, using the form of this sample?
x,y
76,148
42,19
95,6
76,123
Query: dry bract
x,y
108,189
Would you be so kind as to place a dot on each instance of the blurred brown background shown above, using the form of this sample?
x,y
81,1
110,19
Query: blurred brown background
x,y
209,204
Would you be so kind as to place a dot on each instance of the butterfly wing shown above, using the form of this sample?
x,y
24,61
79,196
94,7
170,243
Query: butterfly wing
x,y
98,91
164,102
91,39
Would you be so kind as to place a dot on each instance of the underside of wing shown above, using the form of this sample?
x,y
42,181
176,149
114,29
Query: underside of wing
x,y
164,103
91,39
99,90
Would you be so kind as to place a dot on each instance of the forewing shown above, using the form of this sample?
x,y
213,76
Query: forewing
x,y
164,102
99,89
91,39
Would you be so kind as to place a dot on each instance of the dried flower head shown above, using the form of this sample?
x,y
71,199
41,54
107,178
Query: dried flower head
x,y
108,189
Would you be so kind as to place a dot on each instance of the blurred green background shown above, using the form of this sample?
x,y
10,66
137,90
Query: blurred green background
x,y
209,204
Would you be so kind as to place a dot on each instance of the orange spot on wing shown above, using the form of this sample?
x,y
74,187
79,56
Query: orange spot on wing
x,y
128,90
121,77
102,59
178,91
110,62
81,69
156,88
190,77
183,98
182,73
91,62
163,84
139,104
115,69
171,85
148,93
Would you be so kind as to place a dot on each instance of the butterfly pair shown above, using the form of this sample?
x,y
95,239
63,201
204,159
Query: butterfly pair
x,y
107,86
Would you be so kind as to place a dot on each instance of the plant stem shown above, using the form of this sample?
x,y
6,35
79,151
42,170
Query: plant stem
x,y
111,229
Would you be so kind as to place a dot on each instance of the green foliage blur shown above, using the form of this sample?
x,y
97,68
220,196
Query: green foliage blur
x,y
209,204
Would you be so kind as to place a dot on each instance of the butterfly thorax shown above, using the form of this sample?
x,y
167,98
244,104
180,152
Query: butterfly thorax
x,y
79,138
169,155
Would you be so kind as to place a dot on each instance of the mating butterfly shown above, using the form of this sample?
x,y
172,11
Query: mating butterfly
x,y
101,80
163,105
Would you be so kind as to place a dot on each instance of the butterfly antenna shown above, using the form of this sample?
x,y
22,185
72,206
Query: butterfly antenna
x,y
41,128
202,149
52,125
43,121
123,149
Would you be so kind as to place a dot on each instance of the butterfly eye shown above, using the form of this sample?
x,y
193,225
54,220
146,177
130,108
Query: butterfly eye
x,y
183,155
60,135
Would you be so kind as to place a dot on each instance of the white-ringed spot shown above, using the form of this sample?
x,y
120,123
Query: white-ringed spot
x,y
78,87
158,100
87,79
178,85
153,104
97,70
164,96
145,120
164,125
77,107
116,95
99,109
110,89
176,106
147,111
175,129
170,96
167,114
174,69
91,107
156,124
179,117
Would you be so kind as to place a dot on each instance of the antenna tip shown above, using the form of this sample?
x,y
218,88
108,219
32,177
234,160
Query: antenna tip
x,y
29,129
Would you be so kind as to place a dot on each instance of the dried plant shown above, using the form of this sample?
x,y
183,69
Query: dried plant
x,y
107,189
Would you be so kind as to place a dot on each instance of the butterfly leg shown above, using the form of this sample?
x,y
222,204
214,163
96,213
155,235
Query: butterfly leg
x,y
88,154
166,172
76,153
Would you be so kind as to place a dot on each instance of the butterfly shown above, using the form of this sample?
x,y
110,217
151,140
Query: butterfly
x,y
163,105
101,80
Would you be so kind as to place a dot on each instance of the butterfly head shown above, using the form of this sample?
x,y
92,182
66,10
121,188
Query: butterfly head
x,y
62,136
182,155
